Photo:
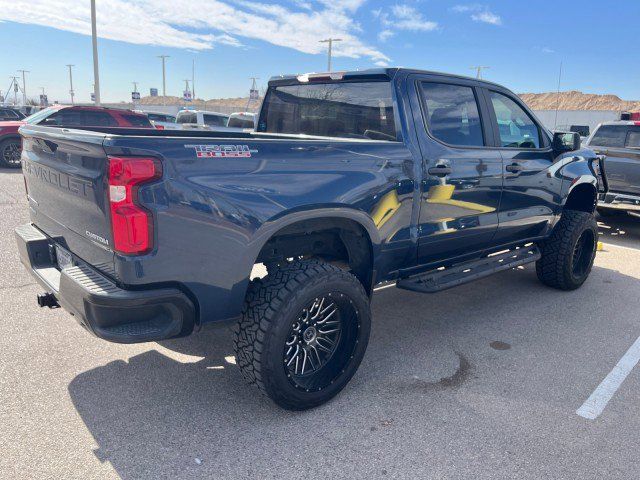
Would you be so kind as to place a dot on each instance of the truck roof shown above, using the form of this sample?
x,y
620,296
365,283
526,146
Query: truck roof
x,y
388,72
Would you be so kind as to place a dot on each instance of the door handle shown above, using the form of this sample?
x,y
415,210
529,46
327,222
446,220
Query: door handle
x,y
440,171
514,168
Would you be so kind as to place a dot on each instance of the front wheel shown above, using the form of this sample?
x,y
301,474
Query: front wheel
x,y
10,151
568,254
303,333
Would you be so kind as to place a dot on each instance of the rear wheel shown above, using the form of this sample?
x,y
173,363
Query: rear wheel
x,y
10,151
568,255
303,333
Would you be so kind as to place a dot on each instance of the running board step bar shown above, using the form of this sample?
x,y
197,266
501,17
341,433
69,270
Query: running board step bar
x,y
442,279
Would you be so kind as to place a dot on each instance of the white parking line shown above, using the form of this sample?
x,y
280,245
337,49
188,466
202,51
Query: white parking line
x,y
595,404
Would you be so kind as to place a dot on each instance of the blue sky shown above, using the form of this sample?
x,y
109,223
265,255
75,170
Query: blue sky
x,y
231,40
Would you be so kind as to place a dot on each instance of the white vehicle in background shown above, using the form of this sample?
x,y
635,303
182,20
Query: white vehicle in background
x,y
204,120
161,120
244,120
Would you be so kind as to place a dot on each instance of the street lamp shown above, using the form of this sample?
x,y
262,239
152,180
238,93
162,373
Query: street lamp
x,y
330,42
71,82
94,39
164,81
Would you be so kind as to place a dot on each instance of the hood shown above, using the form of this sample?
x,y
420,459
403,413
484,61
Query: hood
x,y
15,124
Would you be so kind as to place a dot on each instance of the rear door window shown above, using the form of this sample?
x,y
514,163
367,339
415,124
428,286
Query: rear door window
x,y
98,119
137,120
516,128
610,136
347,110
452,114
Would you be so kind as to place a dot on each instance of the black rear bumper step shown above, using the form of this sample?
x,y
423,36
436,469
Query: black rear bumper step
x,y
108,311
438,280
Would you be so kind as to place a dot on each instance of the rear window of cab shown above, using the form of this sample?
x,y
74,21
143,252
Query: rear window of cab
x,y
362,110
617,136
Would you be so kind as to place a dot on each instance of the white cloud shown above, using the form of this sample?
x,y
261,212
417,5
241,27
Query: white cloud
x,y
487,17
479,13
401,17
385,35
202,24
408,18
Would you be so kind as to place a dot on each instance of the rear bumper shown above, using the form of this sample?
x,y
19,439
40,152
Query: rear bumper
x,y
107,311
619,201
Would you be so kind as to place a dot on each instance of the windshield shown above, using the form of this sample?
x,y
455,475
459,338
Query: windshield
x,y
347,110
39,116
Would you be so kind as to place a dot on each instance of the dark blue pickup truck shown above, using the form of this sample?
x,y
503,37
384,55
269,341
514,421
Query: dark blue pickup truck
x,y
350,179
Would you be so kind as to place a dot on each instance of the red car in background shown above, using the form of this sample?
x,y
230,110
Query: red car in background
x,y
64,116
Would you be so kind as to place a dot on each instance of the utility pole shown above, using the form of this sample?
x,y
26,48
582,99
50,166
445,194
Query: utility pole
x,y
254,88
186,83
135,90
94,39
164,79
14,83
193,78
555,122
330,42
71,82
478,70
24,87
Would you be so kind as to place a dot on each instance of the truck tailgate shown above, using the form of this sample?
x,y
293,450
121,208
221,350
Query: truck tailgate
x,y
64,174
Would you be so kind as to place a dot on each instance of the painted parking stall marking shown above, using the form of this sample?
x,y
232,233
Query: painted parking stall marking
x,y
596,403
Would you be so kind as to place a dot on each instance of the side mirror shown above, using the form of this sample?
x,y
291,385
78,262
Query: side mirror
x,y
566,142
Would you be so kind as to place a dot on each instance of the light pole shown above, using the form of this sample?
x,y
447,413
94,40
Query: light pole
x,y
193,79
24,87
330,42
71,81
164,79
94,38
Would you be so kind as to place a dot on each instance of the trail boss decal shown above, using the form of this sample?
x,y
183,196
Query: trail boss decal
x,y
222,151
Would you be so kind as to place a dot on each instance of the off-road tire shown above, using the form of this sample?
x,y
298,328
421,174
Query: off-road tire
x,y
272,305
557,266
6,144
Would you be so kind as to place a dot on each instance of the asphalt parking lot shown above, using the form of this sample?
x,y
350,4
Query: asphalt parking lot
x,y
482,381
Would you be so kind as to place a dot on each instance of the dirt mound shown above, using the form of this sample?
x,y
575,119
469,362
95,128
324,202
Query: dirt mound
x,y
574,100
239,103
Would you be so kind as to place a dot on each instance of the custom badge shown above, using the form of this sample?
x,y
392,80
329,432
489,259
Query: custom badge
x,y
222,151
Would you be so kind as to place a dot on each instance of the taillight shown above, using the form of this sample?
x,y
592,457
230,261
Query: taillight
x,y
131,224
159,127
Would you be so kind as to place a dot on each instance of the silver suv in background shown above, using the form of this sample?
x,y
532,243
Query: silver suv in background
x,y
202,120
619,142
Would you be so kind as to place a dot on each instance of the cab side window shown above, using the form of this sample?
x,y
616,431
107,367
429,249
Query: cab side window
x,y
517,129
452,114
66,117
